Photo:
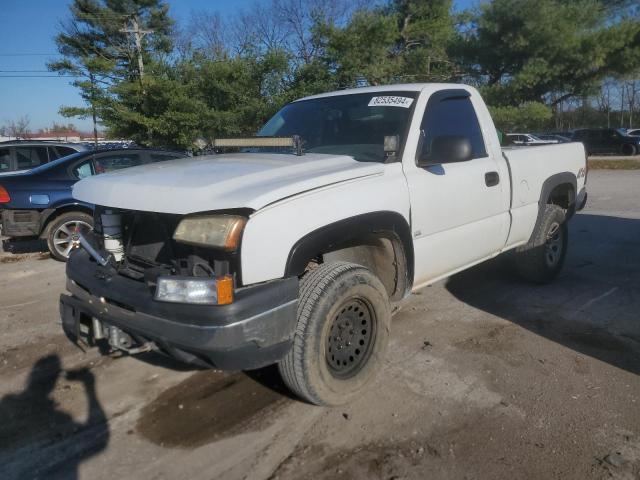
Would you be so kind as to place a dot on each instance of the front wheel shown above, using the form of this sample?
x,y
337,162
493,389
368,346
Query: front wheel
x,y
628,150
342,334
542,258
63,233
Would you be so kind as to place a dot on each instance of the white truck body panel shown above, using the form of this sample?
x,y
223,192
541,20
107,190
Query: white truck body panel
x,y
276,228
218,182
456,219
530,168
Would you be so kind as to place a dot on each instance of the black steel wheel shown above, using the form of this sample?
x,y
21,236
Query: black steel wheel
x,y
342,334
350,338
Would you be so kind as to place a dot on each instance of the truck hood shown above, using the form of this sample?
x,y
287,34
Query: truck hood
x,y
218,182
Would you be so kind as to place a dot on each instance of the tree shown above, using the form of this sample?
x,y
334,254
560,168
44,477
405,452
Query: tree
x,y
205,32
526,50
19,127
533,60
426,30
298,18
530,116
362,48
604,99
632,90
86,59
405,40
106,45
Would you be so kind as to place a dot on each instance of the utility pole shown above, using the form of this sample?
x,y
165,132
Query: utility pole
x,y
93,109
137,36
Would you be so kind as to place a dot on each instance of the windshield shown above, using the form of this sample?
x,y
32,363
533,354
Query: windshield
x,y
353,125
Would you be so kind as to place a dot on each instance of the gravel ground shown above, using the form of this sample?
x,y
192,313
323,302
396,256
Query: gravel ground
x,y
486,377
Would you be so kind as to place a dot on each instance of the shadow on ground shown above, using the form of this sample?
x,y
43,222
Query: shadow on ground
x,y
593,307
32,420
28,245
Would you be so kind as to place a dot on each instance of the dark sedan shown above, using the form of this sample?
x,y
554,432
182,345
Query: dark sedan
x,y
38,202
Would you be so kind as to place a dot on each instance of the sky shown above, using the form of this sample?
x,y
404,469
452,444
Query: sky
x,y
27,43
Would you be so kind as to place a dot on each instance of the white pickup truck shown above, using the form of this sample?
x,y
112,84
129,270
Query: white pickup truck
x,y
297,248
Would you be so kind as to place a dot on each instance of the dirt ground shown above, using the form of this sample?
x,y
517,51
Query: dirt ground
x,y
486,378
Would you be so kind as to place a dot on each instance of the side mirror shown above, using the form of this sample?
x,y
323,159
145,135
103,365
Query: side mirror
x,y
446,149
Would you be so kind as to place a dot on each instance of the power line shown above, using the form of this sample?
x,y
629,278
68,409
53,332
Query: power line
x,y
26,54
38,76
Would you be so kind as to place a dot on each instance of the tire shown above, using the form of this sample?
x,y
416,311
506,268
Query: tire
x,y
60,233
628,150
541,260
331,362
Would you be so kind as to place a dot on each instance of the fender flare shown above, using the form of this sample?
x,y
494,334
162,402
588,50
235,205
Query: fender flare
x,y
52,211
547,187
337,233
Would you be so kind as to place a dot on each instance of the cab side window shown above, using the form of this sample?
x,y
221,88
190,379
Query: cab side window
x,y
59,152
83,170
110,163
64,151
31,157
5,160
452,115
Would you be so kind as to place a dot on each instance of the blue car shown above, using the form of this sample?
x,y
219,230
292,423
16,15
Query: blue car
x,y
38,202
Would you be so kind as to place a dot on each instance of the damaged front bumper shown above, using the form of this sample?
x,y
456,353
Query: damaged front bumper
x,y
255,330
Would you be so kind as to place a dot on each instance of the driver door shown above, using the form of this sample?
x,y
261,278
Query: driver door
x,y
459,211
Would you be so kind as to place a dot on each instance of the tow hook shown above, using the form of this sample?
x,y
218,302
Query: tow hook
x,y
120,340
84,243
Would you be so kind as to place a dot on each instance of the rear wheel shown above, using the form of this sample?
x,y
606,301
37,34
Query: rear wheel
x,y
63,233
342,334
542,258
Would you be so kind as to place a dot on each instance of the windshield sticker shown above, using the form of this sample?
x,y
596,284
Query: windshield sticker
x,y
389,101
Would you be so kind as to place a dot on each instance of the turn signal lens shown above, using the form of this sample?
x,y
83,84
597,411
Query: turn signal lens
x,y
4,195
225,289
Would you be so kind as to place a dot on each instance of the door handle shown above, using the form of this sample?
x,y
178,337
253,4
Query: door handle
x,y
491,179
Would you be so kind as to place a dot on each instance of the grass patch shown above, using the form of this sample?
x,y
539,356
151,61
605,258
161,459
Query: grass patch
x,y
614,164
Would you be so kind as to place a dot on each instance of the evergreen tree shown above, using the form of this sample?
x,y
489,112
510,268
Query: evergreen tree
x,y
107,44
526,50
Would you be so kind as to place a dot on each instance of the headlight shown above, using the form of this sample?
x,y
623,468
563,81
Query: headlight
x,y
220,231
201,291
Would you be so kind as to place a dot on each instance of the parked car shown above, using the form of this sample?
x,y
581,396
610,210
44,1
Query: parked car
x,y
247,259
607,141
39,203
22,155
634,133
527,139
553,137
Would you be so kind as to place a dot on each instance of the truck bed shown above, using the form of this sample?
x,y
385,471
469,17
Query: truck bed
x,y
530,168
